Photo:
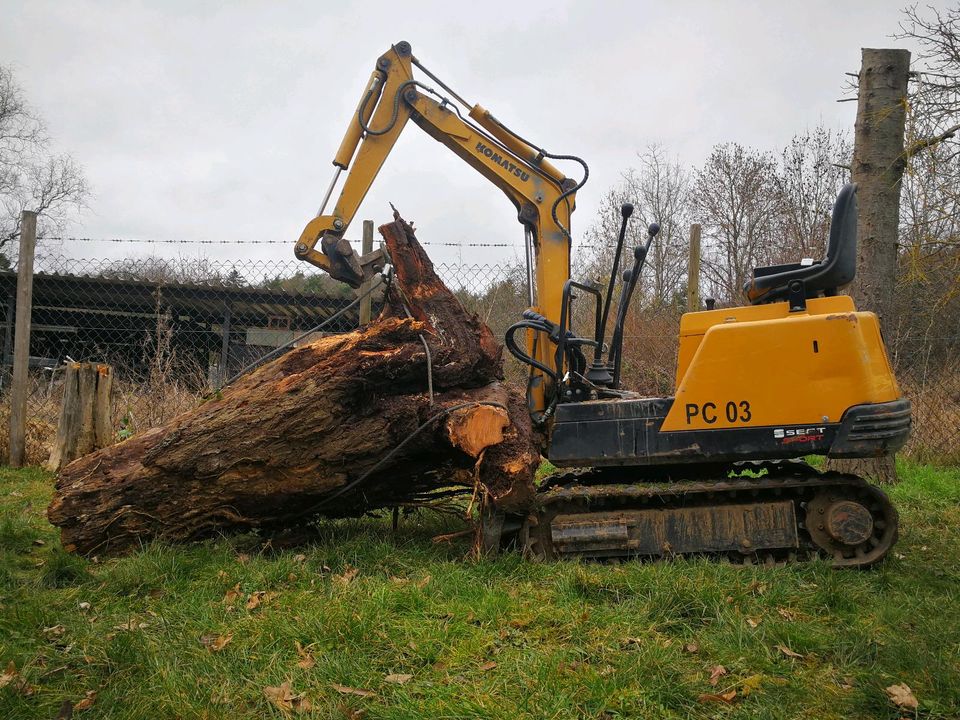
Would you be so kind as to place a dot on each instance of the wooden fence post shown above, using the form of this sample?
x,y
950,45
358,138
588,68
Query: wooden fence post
x,y
693,270
86,415
366,305
19,388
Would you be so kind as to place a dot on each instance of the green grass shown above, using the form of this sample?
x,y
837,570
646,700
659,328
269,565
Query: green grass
x,y
568,640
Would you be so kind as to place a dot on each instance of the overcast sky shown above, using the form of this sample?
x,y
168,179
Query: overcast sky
x,y
202,120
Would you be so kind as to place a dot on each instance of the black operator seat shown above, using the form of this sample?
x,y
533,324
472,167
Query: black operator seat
x,y
780,282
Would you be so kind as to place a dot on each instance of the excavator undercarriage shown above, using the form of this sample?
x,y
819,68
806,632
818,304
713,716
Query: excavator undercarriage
x,y
753,513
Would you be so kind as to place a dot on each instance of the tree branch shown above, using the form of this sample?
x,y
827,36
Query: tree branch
x,y
933,140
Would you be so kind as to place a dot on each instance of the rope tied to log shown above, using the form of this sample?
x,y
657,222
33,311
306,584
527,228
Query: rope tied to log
x,y
426,348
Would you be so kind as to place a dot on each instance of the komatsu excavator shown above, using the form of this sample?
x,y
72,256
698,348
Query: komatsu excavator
x,y
713,470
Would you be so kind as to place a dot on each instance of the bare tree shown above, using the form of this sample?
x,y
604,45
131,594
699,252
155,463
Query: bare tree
x,y
178,270
927,299
31,177
936,93
735,198
930,213
663,189
601,236
658,188
812,170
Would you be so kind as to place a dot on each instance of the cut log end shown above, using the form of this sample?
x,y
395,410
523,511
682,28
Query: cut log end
x,y
475,429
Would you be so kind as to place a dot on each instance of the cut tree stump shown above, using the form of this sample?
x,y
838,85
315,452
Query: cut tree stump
x,y
294,440
86,422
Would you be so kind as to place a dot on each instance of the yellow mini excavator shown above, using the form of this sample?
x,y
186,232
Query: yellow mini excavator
x,y
796,372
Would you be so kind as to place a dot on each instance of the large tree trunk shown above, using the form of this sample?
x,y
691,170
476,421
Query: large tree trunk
x,y
311,434
878,165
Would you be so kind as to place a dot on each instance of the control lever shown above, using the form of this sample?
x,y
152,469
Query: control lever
x,y
630,278
626,210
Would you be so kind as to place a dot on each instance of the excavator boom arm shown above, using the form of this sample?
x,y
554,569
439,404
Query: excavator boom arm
x,y
543,197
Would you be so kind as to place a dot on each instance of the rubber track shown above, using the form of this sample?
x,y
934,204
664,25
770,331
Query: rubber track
x,y
594,490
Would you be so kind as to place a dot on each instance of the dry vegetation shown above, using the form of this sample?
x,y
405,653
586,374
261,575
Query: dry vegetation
x,y
137,406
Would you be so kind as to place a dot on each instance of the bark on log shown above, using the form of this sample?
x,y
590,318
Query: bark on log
x,y
289,442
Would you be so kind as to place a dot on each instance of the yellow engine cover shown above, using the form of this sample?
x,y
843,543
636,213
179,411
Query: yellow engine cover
x,y
763,365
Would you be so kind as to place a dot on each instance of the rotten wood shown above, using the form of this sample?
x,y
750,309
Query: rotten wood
x,y
293,440
85,413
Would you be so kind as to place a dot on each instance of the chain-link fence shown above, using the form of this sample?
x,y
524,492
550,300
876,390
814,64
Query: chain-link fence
x,y
174,329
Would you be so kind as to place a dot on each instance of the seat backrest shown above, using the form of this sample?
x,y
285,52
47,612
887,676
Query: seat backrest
x,y
840,265
838,268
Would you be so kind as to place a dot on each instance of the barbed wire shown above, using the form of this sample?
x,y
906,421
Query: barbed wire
x,y
158,241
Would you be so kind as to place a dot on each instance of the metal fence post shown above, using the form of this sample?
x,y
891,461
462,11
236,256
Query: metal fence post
x,y
366,305
693,270
224,368
20,390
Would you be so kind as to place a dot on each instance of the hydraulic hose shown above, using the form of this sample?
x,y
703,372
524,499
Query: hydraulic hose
x,y
519,354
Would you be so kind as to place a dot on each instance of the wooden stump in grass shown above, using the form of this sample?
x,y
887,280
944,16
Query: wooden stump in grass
x,y
85,414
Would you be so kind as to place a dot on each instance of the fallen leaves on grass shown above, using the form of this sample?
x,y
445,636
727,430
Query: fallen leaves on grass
x,y
424,581
359,692
716,672
789,653
348,576
258,598
11,677
729,697
285,699
9,674
87,702
216,643
54,631
902,696
232,595
306,660
692,647
349,713
131,625
787,614
752,622
489,665
398,678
